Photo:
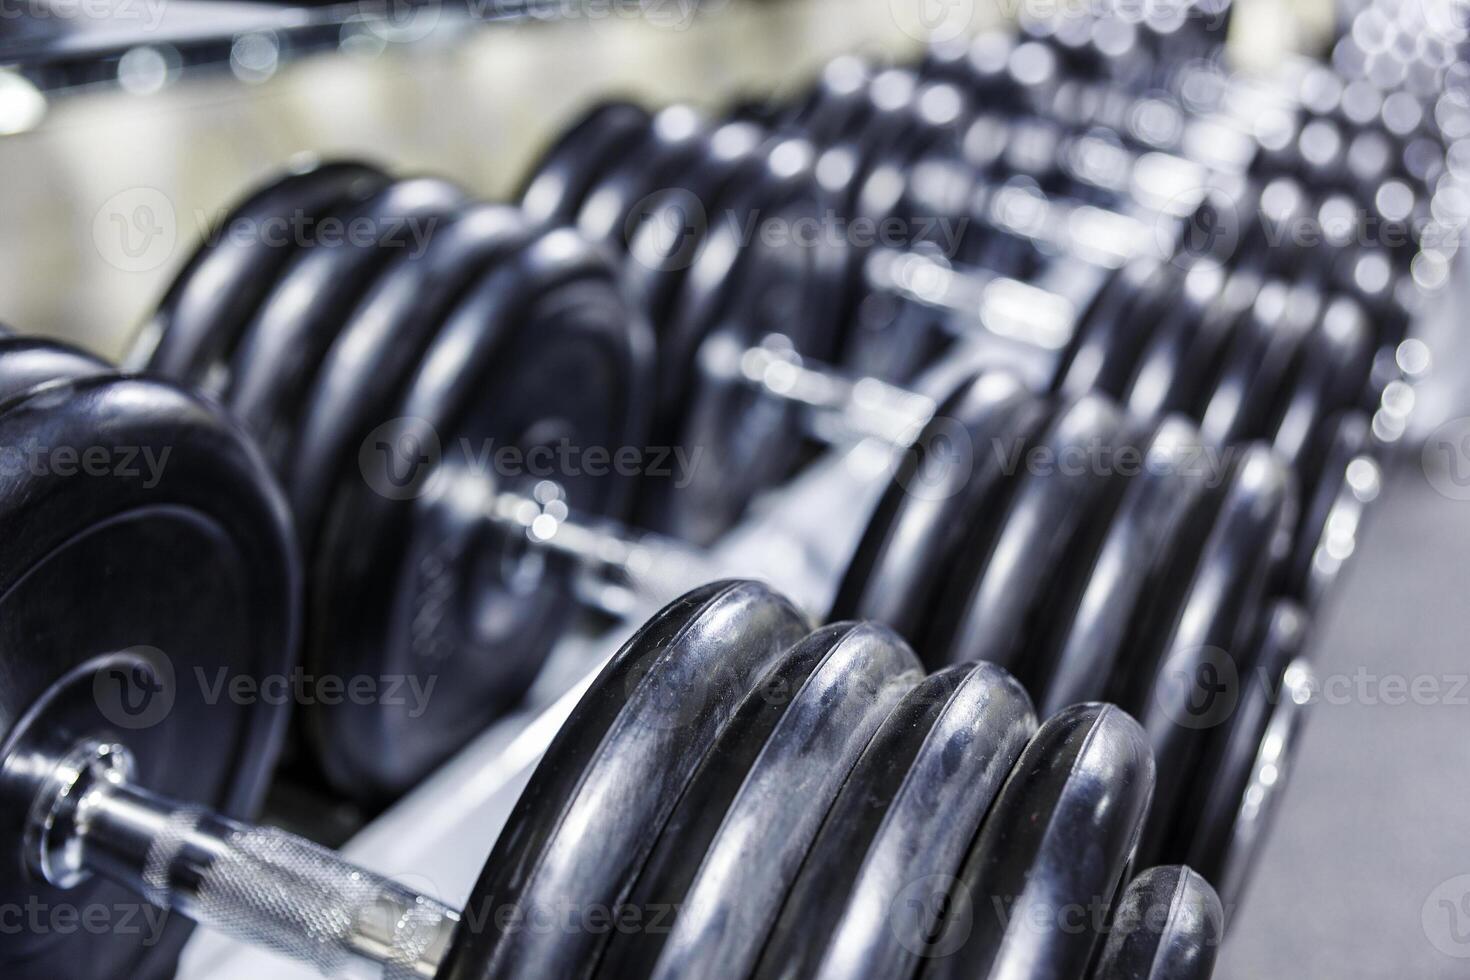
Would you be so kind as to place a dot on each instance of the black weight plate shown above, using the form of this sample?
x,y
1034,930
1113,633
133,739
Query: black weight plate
x,y
1103,596
555,189
1052,850
1205,830
1167,926
672,864
777,188
542,353
675,138
201,316
647,723
1332,373
779,294
1112,331
733,889
666,232
278,355
764,787
944,480
1000,587
746,286
900,828
376,350
1350,436
27,362
1184,678
1185,348
102,615
1259,368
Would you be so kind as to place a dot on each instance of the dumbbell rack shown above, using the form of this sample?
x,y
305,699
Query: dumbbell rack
x,y
479,787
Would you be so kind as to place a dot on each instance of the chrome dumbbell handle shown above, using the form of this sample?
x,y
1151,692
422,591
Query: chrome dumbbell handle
x,y
262,886
988,303
621,570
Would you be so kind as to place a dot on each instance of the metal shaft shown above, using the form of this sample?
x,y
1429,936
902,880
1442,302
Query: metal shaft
x,y
622,570
262,886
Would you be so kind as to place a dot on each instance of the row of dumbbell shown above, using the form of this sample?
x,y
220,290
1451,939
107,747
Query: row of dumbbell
x,y
525,262
733,795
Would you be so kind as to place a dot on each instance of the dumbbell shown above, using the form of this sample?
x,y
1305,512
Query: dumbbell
x,y
359,741
1373,287
1170,371
114,755
1270,133
372,750
506,508
1248,215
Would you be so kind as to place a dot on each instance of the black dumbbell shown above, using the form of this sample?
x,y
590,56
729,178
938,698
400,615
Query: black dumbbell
x,y
423,552
1290,364
115,755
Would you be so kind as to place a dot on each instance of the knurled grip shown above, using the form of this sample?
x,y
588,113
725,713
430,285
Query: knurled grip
x,y
276,891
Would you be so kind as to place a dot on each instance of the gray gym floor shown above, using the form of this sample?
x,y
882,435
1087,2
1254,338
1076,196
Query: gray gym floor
x,y
1359,878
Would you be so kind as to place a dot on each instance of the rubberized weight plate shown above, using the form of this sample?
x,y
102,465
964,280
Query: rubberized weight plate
x,y
158,494
1167,926
675,138
1263,346
1184,680
731,850
289,336
1351,437
203,313
1332,372
942,483
1113,330
376,350
27,362
1103,598
903,822
541,358
648,721
556,188
1205,833
666,233
1000,586
1052,851
1186,345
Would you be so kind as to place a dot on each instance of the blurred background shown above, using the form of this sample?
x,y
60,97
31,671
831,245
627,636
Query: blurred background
x,y
127,126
